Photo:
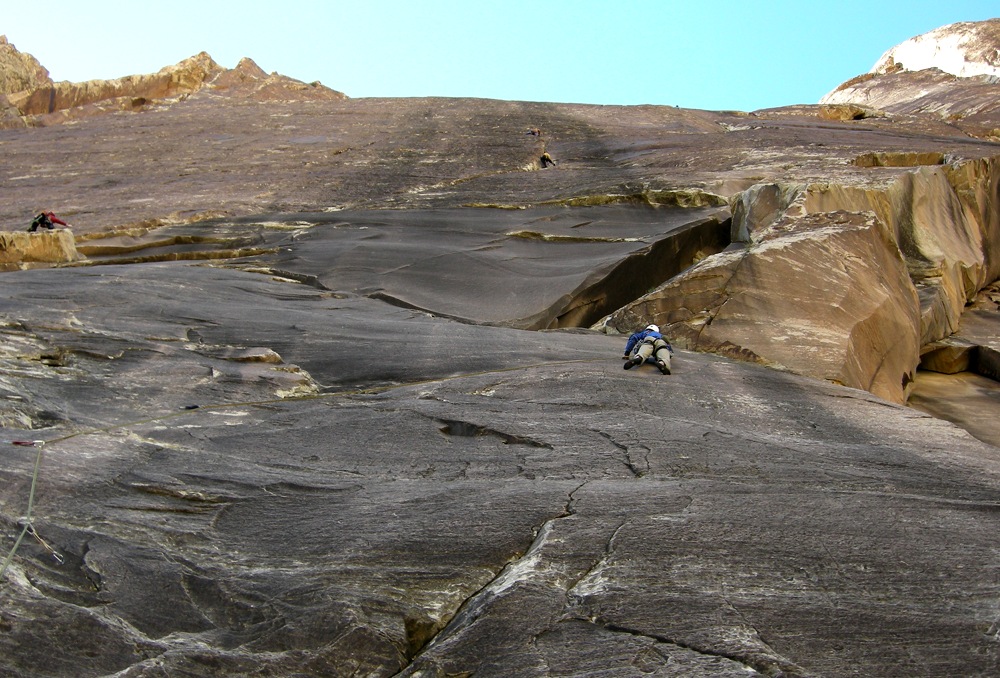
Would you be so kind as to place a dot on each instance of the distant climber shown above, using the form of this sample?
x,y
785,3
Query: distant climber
x,y
535,132
648,345
45,220
547,160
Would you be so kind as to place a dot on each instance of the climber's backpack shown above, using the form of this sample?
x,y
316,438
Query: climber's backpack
x,y
41,220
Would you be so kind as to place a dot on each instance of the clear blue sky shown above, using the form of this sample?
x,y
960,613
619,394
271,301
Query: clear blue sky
x,y
728,54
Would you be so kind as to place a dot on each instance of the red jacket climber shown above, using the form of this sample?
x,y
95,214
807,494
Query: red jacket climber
x,y
45,220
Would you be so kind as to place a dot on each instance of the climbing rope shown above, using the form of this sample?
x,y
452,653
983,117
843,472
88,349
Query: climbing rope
x,y
26,526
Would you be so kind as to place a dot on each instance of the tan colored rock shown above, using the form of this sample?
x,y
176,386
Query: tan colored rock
x,y
824,294
765,302
184,77
950,356
55,246
250,81
898,159
844,112
19,71
47,103
944,222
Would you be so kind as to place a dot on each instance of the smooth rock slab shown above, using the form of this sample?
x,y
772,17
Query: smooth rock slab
x,y
489,501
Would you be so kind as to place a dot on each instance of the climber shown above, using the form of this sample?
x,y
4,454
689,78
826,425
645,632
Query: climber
x,y
45,220
648,345
547,160
535,132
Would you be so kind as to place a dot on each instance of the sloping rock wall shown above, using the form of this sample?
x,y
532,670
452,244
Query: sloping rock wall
x,y
845,283
852,323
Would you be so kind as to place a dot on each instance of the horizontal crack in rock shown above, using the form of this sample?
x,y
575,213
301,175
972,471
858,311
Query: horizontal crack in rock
x,y
454,427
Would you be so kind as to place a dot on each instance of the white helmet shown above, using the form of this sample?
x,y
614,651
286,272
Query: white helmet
x,y
653,327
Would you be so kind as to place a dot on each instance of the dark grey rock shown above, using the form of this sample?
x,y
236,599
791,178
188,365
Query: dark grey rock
x,y
459,499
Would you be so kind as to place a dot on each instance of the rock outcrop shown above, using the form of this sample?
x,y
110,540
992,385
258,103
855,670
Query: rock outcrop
x,y
33,99
18,71
802,291
20,248
964,49
825,294
318,401
952,72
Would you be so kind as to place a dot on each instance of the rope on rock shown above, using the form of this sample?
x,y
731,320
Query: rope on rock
x,y
26,527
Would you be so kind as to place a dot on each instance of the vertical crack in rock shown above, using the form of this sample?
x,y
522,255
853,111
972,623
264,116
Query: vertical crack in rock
x,y
724,295
518,569
635,468
583,582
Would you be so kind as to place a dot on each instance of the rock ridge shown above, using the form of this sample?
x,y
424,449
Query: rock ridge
x,y
30,98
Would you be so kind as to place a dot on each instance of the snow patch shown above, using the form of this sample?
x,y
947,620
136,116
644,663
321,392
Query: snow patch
x,y
949,48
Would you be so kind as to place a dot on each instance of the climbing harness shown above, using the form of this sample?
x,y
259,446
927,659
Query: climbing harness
x,y
25,522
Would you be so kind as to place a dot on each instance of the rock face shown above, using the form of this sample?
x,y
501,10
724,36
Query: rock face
x,y
950,72
39,101
56,246
19,72
855,324
963,49
878,273
323,398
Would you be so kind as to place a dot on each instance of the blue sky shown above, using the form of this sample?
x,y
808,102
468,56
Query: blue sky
x,y
729,54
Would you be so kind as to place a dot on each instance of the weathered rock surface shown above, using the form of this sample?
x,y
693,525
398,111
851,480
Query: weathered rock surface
x,y
965,49
841,282
317,402
21,248
36,100
951,72
461,498
855,324
19,71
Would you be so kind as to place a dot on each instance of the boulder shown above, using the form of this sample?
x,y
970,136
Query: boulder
x,y
949,356
46,246
781,300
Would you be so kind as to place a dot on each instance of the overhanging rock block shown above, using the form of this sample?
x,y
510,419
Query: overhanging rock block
x,y
51,247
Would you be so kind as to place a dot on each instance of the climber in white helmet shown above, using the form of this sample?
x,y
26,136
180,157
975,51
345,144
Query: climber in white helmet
x,y
648,345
